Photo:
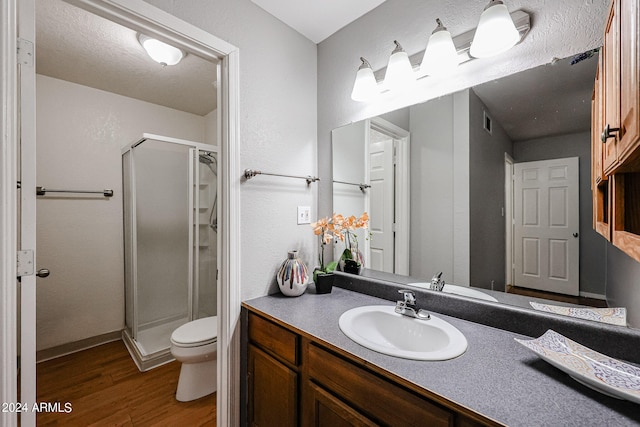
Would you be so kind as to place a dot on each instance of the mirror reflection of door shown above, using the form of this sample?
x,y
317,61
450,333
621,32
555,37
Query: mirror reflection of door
x,y
546,213
381,201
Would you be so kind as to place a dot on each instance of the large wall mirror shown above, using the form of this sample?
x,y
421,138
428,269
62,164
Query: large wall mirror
x,y
490,186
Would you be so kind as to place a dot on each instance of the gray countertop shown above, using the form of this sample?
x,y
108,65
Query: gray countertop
x,y
496,376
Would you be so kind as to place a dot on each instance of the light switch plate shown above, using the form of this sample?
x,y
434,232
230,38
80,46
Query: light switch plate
x,y
304,215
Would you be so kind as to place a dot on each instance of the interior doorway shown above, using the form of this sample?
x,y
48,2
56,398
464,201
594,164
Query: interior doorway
x,y
138,17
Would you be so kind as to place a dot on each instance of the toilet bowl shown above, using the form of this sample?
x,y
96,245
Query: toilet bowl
x,y
194,345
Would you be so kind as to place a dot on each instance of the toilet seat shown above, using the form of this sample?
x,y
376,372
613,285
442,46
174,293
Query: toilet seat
x,y
196,333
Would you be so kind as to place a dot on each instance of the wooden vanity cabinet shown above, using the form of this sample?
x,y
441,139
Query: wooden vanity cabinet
x,y
294,380
616,124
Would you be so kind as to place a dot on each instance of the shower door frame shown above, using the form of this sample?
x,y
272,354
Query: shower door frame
x,y
195,148
20,117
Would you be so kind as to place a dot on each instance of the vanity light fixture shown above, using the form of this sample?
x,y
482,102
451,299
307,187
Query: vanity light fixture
x,y
440,56
400,73
161,52
365,88
496,32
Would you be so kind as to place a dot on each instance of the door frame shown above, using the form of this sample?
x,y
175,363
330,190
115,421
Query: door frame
x,y
8,209
402,187
508,219
140,16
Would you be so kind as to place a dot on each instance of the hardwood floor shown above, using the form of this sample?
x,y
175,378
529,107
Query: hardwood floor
x,y
105,388
591,302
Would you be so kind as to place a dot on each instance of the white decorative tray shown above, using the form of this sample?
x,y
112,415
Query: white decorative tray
x,y
612,315
597,371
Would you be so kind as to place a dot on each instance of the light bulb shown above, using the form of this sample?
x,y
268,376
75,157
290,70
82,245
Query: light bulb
x,y
496,32
440,56
365,88
399,73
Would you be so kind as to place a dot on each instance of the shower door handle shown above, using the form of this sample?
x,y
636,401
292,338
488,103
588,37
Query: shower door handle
x,y
43,272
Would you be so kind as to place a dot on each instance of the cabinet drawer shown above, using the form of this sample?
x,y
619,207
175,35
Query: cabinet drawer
x,y
378,399
274,338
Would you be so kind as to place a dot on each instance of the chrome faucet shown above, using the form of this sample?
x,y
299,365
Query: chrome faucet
x,y
408,306
437,284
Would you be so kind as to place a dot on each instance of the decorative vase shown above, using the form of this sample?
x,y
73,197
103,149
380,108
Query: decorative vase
x,y
324,283
292,276
352,266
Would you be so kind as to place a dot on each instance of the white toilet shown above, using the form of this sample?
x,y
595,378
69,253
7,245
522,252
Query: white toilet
x,y
194,344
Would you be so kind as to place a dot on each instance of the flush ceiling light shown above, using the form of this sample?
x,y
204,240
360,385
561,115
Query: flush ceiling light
x,y
399,73
496,32
161,52
440,56
365,87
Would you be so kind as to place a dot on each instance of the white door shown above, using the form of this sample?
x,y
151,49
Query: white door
x,y
546,221
27,203
382,201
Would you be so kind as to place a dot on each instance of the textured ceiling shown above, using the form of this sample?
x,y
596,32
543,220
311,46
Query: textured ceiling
x,y
528,105
83,48
317,20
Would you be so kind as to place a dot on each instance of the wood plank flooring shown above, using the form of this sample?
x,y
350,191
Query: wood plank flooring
x,y
105,388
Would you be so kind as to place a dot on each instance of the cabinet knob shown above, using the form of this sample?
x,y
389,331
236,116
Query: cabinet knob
x,y
608,133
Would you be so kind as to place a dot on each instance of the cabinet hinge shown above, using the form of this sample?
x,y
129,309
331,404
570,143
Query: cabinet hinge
x,y
25,265
25,52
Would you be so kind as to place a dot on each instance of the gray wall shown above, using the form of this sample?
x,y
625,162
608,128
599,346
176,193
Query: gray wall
x,y
278,130
486,198
592,245
623,283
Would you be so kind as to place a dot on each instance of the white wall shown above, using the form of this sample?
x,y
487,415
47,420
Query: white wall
x,y
440,189
559,29
278,79
80,132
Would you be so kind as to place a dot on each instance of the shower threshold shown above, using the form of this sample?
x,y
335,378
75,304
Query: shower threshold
x,y
152,349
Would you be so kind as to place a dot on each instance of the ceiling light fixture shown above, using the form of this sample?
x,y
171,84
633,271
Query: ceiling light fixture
x,y
400,73
440,56
161,52
496,32
365,88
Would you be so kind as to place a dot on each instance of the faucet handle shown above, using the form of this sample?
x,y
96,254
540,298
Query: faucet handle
x,y
409,296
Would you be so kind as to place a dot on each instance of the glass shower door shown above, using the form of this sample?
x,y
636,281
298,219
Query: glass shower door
x,y
162,245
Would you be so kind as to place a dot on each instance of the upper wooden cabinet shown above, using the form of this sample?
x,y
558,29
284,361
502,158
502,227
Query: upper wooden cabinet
x,y
616,130
620,95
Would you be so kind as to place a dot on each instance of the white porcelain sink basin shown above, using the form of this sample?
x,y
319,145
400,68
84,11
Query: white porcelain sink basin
x,y
380,328
458,290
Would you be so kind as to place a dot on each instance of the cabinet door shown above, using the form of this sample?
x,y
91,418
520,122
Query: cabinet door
x,y
597,146
273,390
326,410
629,70
611,76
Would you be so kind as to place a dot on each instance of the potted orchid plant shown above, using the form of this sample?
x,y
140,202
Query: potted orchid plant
x,y
341,229
326,230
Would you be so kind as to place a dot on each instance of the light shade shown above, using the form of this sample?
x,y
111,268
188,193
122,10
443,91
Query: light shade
x,y
365,88
161,52
496,32
440,56
399,73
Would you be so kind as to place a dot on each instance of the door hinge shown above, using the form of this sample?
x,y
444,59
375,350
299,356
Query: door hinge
x,y
25,52
25,265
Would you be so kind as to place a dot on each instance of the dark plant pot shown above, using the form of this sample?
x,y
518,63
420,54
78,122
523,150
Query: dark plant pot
x,y
324,283
351,266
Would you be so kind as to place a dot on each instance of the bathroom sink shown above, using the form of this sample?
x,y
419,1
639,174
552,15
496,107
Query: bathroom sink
x,y
458,290
380,328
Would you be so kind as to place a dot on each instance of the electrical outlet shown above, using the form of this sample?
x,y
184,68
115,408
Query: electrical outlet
x,y
304,215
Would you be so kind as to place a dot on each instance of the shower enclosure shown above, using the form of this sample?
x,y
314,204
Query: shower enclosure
x,y
170,190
